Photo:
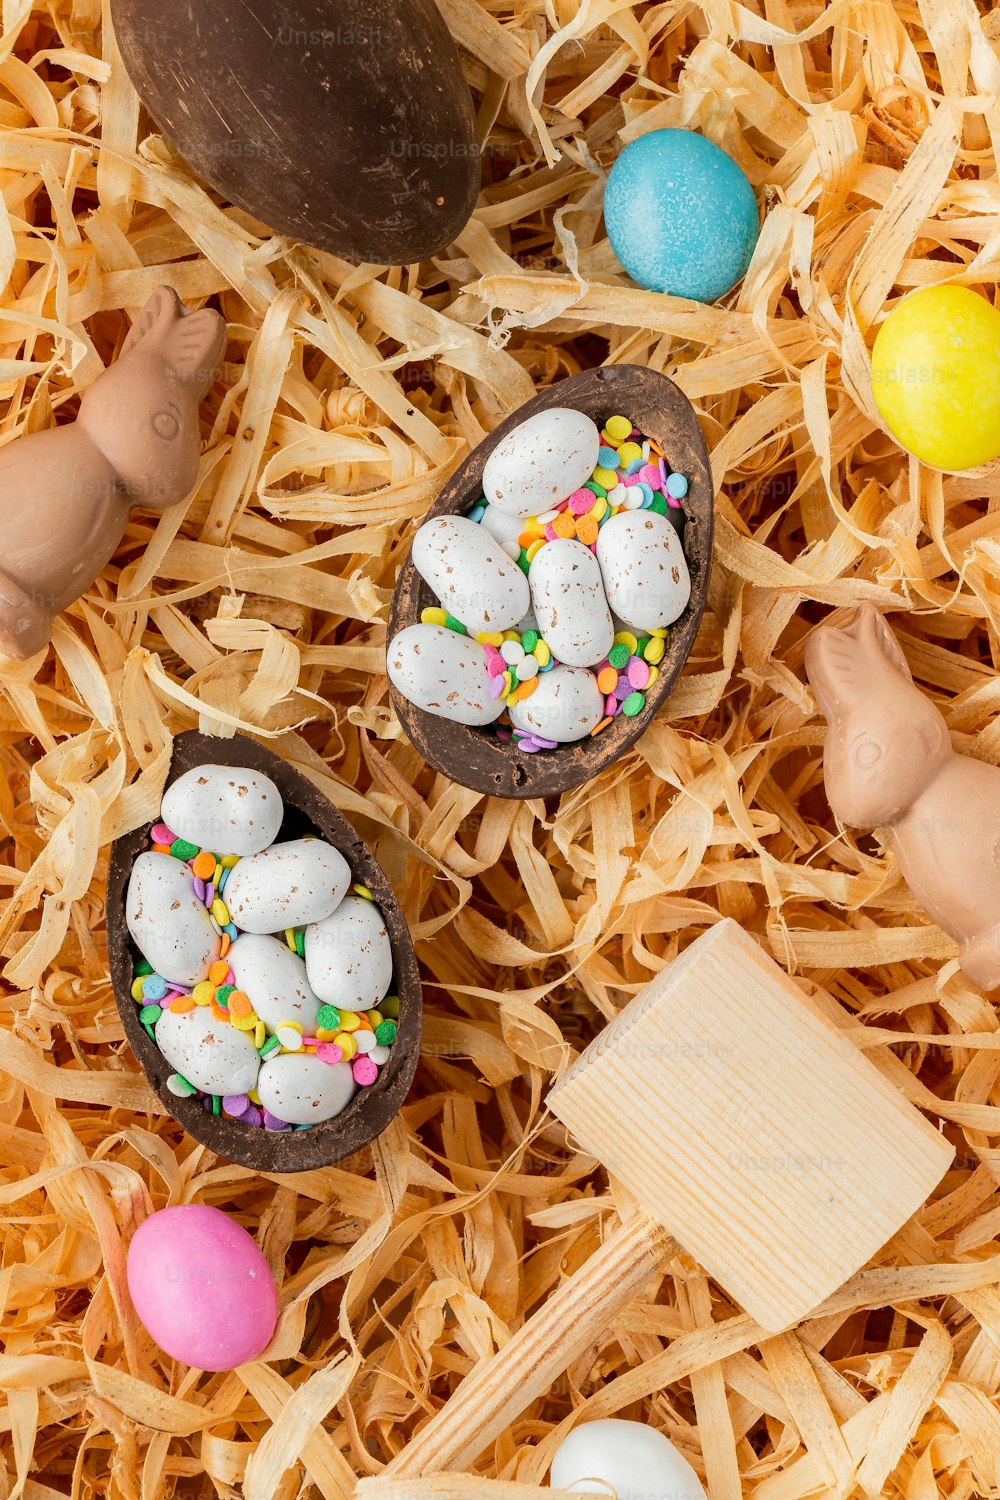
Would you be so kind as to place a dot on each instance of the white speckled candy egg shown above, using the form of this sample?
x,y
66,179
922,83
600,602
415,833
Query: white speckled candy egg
x,y
227,809
625,1459
470,573
287,885
565,706
166,921
348,957
443,672
209,1053
541,461
303,1090
274,978
567,594
644,568
504,528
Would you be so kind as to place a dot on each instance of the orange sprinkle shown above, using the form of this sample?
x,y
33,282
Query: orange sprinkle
x,y
224,945
161,848
523,690
607,680
586,530
181,1003
564,524
203,865
526,538
217,1010
655,448
217,972
598,727
239,1004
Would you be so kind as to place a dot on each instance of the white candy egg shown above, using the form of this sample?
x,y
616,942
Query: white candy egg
x,y
625,1459
227,809
209,1053
303,1090
166,921
275,980
645,571
443,672
470,573
541,461
287,885
567,594
348,957
565,706
505,528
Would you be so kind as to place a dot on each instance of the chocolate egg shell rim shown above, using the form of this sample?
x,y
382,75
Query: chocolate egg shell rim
x,y
661,411
306,811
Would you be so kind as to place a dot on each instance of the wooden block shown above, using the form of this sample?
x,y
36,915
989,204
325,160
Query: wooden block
x,y
751,1128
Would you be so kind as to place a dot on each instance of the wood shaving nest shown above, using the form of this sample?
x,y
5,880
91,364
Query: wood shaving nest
x,y
870,130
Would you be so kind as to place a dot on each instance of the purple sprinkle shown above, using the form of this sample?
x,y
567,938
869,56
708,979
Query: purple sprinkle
x,y
622,688
181,989
209,893
663,475
252,1116
206,1103
199,887
546,744
496,687
271,1122
529,746
236,1104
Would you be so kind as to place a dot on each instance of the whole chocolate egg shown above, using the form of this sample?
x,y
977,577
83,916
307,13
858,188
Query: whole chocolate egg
x,y
347,126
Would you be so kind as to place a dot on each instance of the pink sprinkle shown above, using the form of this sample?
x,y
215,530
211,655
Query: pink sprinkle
x,y
611,706
364,1070
593,548
581,501
650,474
496,666
561,505
160,834
164,1004
329,1052
236,1104
549,532
503,734
638,672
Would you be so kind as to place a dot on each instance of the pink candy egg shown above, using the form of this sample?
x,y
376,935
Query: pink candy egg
x,y
201,1288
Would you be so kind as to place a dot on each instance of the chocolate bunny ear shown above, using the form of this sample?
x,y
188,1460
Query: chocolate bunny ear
x,y
162,309
194,347
844,666
871,627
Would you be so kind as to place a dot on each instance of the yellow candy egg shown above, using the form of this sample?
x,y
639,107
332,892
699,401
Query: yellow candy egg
x,y
936,376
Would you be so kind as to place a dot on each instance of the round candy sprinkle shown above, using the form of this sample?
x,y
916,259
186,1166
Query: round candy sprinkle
x,y
218,972
512,652
638,672
526,668
289,1034
203,992
236,1104
618,428
385,1031
677,486
137,989
364,1040
271,1122
179,1086
633,497
365,1071
380,1055
618,656
220,912
328,1018
607,677
654,651
634,704
329,1052
607,458
433,616
272,1044
161,834
199,888
580,501
149,1015
346,1044
181,849
530,640
598,489
606,478
389,1004
203,865
650,474
154,987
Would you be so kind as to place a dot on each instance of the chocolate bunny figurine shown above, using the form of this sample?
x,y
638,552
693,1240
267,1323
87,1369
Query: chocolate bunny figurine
x,y
889,762
65,493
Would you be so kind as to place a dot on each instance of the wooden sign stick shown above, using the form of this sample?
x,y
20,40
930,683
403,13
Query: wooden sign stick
x,y
738,1115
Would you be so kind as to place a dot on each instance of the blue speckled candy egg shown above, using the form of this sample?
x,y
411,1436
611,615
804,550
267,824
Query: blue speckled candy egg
x,y
681,215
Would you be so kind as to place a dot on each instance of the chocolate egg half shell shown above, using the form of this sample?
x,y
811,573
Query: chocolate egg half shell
x,y
347,126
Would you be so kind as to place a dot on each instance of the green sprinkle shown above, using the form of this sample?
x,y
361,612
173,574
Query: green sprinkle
x,y
641,642
181,849
454,624
522,561
385,1033
390,1007
150,1014
300,941
658,505
142,968
596,489
634,704
178,1085
618,656
223,993
271,1045
217,1104
149,1032
529,640
328,1018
